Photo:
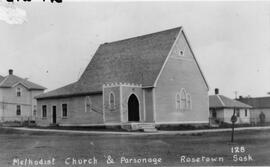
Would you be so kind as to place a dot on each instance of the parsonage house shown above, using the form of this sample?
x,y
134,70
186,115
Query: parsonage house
x,y
260,111
222,109
17,102
151,79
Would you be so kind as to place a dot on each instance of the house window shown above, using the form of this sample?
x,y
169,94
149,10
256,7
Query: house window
x,y
112,100
64,110
35,111
18,111
245,112
88,104
178,101
214,113
183,104
237,112
18,92
44,111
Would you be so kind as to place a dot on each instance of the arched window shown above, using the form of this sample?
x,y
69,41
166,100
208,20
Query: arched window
x,y
112,100
189,102
183,101
181,53
178,102
88,104
183,104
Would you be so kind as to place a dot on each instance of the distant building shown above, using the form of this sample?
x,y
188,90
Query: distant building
x,y
17,101
260,107
152,79
222,109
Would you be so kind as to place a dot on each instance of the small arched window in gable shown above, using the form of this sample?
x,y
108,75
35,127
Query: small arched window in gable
x,y
112,100
178,102
88,104
181,52
183,100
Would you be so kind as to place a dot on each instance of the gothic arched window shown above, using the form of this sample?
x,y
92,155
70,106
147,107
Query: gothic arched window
x,y
178,102
88,104
189,104
112,100
183,103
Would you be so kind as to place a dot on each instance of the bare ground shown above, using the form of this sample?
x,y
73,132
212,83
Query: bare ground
x,y
170,148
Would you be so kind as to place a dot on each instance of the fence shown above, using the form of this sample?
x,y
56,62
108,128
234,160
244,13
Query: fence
x,y
17,121
259,122
215,121
240,122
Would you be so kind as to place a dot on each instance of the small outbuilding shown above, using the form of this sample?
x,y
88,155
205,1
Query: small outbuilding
x,y
260,112
222,109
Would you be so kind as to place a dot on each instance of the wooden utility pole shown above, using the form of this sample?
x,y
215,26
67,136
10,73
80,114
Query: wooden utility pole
x,y
233,120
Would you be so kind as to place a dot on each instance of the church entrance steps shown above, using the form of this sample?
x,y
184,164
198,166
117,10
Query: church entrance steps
x,y
214,125
135,126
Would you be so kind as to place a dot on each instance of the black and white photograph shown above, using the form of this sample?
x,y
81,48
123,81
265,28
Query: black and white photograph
x,y
134,83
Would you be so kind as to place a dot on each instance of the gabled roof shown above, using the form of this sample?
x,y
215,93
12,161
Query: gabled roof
x,y
257,102
11,80
135,60
220,101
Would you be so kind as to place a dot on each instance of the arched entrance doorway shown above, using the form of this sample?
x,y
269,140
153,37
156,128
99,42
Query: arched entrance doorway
x,y
133,109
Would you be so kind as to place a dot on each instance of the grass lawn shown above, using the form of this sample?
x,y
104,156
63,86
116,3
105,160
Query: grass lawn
x,y
169,148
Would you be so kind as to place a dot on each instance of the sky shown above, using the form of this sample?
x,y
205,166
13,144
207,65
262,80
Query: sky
x,y
52,43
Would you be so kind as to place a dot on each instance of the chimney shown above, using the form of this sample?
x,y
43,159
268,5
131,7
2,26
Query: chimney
x,y
216,91
10,72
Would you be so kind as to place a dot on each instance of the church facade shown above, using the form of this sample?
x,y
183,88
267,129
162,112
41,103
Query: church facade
x,y
154,78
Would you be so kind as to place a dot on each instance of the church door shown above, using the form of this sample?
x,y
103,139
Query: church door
x,y
133,109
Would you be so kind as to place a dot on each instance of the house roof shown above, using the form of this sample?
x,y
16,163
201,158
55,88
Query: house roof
x,y
257,102
135,60
12,80
1,78
72,89
220,101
